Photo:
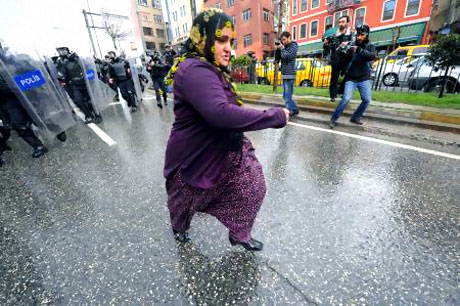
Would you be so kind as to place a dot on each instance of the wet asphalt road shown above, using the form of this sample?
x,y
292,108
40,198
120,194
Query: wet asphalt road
x,y
344,221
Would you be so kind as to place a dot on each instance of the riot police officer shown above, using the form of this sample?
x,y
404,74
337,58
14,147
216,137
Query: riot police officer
x,y
14,116
71,77
120,74
105,76
158,70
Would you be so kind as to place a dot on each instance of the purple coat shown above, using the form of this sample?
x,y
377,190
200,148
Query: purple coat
x,y
206,116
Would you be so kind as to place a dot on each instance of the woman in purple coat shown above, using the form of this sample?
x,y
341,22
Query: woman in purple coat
x,y
210,165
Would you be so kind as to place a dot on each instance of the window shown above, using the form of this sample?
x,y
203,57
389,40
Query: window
x,y
162,46
156,4
388,10
175,16
177,32
420,50
158,19
359,16
314,28
266,39
294,7
329,1
230,3
142,2
145,16
294,33
247,15
303,5
303,31
327,23
150,45
234,20
413,7
161,33
247,40
185,12
266,15
218,4
147,31
314,4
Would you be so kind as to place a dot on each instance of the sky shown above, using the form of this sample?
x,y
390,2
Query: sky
x,y
26,26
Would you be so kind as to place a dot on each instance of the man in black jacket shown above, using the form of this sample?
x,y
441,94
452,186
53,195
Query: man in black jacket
x,y
158,70
286,52
334,49
357,75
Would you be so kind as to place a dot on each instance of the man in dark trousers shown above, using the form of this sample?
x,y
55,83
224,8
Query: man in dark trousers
x,y
357,75
158,70
286,53
334,49
120,74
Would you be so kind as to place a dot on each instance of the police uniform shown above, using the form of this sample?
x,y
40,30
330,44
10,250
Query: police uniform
x,y
118,72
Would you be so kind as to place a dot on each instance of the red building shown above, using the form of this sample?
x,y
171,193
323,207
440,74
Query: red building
x,y
253,23
392,22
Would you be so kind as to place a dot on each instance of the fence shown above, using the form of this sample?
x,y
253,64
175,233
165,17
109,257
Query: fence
x,y
408,74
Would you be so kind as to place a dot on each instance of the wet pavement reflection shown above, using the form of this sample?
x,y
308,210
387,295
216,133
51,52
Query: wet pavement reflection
x,y
344,221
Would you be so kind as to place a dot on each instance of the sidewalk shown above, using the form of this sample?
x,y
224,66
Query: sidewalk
x,y
446,120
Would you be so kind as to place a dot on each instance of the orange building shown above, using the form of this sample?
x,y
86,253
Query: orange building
x,y
253,23
392,22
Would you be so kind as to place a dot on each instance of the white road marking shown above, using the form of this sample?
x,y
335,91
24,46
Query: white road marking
x,y
386,142
103,135
114,103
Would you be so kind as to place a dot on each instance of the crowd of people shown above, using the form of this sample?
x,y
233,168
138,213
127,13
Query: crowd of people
x,y
68,80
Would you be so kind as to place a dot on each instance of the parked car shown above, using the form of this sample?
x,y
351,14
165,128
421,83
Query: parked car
x,y
392,74
240,75
311,72
404,52
429,78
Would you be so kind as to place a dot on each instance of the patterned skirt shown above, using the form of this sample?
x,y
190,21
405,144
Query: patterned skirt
x,y
234,200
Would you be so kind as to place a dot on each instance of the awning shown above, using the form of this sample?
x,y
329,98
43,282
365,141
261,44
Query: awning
x,y
311,48
411,32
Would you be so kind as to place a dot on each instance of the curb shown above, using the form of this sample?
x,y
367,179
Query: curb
x,y
419,118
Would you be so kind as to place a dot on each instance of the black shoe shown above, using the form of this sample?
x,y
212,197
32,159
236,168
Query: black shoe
x,y
1,161
332,100
116,99
293,113
332,124
159,105
62,136
88,120
39,152
97,119
356,121
182,237
133,109
251,245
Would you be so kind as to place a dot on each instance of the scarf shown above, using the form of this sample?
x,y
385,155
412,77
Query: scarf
x,y
206,27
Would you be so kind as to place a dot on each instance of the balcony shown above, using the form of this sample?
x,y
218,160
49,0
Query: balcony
x,y
338,5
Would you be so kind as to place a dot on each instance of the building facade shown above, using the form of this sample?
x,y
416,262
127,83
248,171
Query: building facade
x,y
392,22
254,24
179,17
149,24
445,18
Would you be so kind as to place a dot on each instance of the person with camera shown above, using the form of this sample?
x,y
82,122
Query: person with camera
x,y
286,52
158,70
334,48
357,75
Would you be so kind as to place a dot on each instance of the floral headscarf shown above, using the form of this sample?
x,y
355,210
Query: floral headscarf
x,y
207,26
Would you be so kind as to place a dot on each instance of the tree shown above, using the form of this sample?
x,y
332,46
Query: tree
x,y
445,54
113,25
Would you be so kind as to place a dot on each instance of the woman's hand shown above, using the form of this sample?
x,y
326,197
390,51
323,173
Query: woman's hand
x,y
286,112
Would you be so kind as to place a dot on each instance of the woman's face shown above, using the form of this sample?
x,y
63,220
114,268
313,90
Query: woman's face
x,y
223,47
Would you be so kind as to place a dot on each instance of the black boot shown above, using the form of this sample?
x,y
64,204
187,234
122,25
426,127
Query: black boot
x,y
165,99
97,119
251,245
159,105
39,152
62,136
1,161
88,120
181,236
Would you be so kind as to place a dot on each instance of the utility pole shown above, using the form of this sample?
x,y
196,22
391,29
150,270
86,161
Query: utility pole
x,y
89,33
280,29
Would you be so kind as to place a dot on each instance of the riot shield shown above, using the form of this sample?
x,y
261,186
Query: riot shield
x,y
33,86
135,77
101,95
51,68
